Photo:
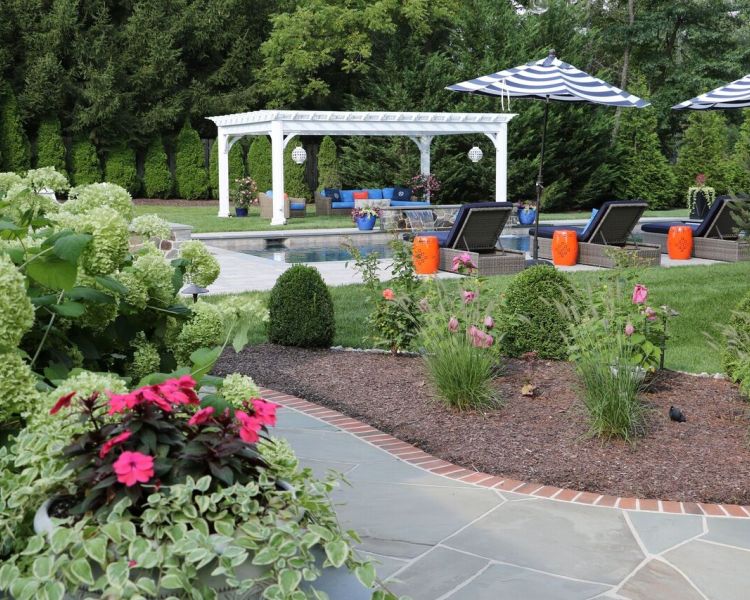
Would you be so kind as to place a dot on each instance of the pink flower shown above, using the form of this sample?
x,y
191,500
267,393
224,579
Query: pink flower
x,y
388,294
155,395
469,296
131,564
62,402
200,417
109,444
488,340
650,313
629,329
250,426
265,411
134,467
463,261
119,402
489,322
453,325
640,293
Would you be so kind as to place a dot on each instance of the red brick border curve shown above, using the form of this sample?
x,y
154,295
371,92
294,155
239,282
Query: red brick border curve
x,y
427,462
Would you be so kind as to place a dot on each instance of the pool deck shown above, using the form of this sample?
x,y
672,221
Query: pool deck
x,y
246,273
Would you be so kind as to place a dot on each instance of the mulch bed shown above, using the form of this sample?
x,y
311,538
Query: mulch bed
x,y
541,439
173,202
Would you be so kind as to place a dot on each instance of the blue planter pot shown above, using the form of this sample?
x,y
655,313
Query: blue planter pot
x,y
526,217
240,212
366,223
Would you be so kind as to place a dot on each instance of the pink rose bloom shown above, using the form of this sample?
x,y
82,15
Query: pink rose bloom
x,y
489,322
109,444
200,417
640,293
629,329
388,294
134,467
265,411
453,325
650,313
468,296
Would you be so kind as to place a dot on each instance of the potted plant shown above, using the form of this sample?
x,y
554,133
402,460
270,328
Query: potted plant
x,y
365,217
168,494
245,195
700,197
424,187
526,212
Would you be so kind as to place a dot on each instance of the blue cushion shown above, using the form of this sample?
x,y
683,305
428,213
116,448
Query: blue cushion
x,y
347,195
402,194
442,236
591,219
297,205
342,204
547,231
663,227
388,193
409,203
269,193
374,194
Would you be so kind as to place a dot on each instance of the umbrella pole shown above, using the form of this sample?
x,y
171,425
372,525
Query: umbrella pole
x,y
539,185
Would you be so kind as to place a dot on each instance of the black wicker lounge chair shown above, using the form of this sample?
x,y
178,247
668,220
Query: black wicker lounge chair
x,y
612,226
716,237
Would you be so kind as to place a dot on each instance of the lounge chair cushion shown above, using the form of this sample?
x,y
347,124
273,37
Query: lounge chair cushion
x,y
591,218
375,194
664,227
297,205
409,203
442,236
547,231
342,204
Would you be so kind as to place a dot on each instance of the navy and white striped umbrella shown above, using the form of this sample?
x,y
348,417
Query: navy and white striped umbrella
x,y
731,95
548,79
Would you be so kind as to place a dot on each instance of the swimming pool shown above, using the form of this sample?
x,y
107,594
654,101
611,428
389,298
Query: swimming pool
x,y
336,253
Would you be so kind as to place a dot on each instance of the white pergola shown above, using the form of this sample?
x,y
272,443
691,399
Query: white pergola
x,y
420,127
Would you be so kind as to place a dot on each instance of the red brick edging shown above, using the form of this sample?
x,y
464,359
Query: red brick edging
x,y
427,462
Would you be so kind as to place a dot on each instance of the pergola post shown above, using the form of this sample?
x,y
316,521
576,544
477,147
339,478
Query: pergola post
x,y
500,141
223,165
423,142
277,172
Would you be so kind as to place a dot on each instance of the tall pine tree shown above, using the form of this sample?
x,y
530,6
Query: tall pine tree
x,y
236,166
328,165
84,162
157,180
120,168
704,150
50,148
259,162
294,176
190,174
740,162
14,145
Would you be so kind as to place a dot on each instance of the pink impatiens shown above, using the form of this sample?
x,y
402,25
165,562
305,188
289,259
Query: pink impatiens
x,y
62,402
249,426
388,294
200,417
109,444
640,293
164,395
265,411
134,467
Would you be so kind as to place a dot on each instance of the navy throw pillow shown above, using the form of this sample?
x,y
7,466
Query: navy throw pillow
x,y
402,194
333,193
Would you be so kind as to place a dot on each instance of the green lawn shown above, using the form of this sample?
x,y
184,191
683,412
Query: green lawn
x,y
203,219
704,297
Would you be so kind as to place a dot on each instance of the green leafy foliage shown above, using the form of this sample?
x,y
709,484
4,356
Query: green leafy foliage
x,y
236,167
191,177
294,176
15,152
328,165
259,162
50,148
301,309
119,168
157,180
84,163
736,351
704,150
531,321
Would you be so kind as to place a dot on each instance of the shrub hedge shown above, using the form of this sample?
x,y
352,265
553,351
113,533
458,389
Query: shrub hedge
x,y
84,163
50,148
157,180
120,169
236,166
259,162
191,177
328,165
294,176
301,310
15,151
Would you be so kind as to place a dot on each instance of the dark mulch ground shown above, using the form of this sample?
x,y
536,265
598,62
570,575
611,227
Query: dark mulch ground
x,y
541,439
174,202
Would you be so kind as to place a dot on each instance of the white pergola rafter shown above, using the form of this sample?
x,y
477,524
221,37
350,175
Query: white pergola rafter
x,y
283,125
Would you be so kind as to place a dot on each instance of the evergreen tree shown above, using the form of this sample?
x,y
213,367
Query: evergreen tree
x,y
50,148
645,172
84,163
14,145
704,150
295,185
157,180
120,168
740,162
259,162
236,166
328,165
191,176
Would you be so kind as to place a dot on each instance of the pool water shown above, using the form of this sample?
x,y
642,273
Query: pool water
x,y
334,253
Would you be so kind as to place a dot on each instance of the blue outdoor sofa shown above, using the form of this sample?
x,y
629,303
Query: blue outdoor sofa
x,y
716,237
611,226
341,202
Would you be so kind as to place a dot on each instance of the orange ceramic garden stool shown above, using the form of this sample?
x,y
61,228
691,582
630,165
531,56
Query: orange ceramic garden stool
x,y
425,254
680,242
565,247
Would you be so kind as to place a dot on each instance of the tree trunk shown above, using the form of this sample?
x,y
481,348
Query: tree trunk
x,y
625,67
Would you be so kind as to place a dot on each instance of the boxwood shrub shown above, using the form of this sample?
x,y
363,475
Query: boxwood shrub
x,y
84,163
532,321
157,180
259,162
50,148
301,310
120,169
191,174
